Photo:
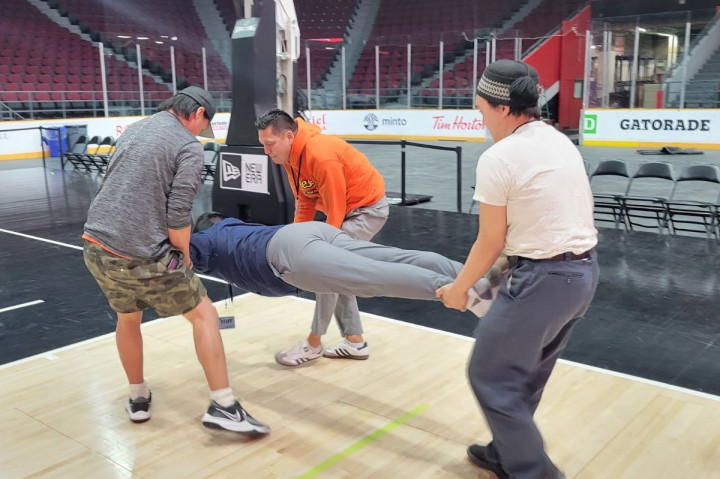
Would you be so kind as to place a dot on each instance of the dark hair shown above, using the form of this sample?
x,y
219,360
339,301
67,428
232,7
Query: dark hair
x,y
278,120
206,220
181,105
529,111
511,83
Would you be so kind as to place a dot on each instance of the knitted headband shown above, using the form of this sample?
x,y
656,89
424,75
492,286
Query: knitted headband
x,y
509,82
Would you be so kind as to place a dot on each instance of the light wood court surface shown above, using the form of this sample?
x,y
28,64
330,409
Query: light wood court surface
x,y
407,412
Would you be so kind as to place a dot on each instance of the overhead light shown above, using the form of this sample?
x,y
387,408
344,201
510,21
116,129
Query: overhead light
x,y
142,38
159,42
164,36
124,36
173,38
641,29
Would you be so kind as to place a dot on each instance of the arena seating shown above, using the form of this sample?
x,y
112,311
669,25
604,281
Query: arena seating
x,y
54,70
162,23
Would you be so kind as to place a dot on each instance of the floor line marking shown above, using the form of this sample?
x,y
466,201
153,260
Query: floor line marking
x,y
374,436
51,356
23,305
58,243
37,238
609,372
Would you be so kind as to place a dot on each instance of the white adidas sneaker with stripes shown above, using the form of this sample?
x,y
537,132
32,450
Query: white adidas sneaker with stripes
x,y
298,354
345,350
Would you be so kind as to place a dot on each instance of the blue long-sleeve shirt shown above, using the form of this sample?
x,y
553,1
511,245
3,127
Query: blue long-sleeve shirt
x,y
236,252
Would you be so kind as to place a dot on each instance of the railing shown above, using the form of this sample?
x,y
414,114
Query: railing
x,y
43,140
393,98
61,104
698,94
403,164
7,113
696,40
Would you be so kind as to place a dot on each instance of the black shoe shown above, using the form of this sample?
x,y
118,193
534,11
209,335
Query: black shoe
x,y
139,409
233,418
478,456
555,473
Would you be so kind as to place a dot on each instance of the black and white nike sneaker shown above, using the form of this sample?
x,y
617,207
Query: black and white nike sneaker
x,y
233,418
139,409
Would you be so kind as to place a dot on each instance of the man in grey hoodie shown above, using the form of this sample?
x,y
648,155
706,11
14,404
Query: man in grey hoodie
x,y
137,246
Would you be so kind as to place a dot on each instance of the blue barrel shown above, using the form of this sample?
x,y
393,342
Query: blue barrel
x,y
53,138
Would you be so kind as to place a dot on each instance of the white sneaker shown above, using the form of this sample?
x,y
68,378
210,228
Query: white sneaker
x,y
345,350
495,276
298,354
481,297
476,304
139,409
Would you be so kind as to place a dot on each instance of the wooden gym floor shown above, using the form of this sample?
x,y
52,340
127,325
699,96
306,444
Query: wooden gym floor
x,y
406,412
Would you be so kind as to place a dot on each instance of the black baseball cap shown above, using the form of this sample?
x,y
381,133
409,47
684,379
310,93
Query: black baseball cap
x,y
205,100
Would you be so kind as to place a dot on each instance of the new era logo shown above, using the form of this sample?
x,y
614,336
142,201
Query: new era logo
x,y
229,171
246,172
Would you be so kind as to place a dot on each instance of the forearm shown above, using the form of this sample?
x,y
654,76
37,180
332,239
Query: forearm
x,y
482,257
305,211
335,219
180,239
333,192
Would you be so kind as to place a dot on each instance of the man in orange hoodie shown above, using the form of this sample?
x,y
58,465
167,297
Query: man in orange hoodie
x,y
326,174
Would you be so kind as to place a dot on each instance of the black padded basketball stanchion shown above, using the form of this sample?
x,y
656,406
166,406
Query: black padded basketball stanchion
x,y
248,185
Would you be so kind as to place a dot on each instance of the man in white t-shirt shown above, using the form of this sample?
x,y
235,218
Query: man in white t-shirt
x,y
536,208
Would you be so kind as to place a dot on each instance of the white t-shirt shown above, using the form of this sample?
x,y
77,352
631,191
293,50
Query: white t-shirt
x,y
540,176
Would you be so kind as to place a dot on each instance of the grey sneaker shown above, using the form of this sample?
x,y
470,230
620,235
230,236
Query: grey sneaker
x,y
298,354
235,419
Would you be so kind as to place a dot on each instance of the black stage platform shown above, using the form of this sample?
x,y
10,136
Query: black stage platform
x,y
654,315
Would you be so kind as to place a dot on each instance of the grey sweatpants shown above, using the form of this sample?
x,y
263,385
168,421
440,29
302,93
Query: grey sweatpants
x,y
516,346
321,258
361,223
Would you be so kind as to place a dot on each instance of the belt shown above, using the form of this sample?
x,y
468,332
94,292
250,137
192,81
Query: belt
x,y
567,256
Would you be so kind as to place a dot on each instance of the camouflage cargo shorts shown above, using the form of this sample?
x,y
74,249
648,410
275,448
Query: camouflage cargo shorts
x,y
135,285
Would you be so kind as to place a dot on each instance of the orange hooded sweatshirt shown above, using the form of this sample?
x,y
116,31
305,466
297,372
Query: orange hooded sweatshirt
x,y
334,178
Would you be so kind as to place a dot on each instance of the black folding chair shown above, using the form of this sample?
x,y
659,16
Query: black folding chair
x,y
694,204
80,145
607,194
107,141
76,160
93,143
100,161
650,209
92,162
